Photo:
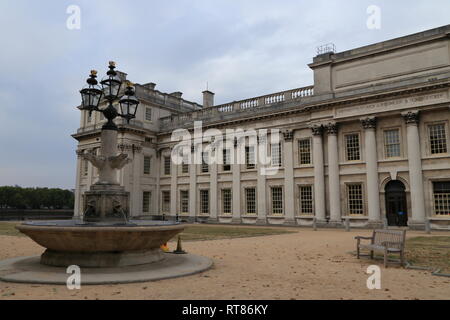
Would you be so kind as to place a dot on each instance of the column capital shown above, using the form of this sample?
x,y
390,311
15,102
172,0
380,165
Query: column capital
x,y
411,117
288,135
317,129
79,152
332,128
369,122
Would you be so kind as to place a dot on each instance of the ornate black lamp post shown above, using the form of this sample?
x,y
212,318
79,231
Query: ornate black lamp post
x,y
92,94
106,199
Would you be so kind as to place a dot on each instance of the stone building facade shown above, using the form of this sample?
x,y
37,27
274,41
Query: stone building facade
x,y
368,141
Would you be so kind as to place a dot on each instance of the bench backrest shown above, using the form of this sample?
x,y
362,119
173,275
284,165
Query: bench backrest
x,y
395,236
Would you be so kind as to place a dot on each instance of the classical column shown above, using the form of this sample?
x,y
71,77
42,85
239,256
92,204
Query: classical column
x,y
261,198
213,186
236,185
288,155
77,204
193,185
136,193
415,168
173,188
319,179
373,192
333,174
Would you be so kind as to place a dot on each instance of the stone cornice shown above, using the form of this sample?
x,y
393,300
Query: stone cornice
x,y
332,102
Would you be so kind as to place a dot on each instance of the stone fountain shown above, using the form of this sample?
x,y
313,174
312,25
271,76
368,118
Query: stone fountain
x,y
105,240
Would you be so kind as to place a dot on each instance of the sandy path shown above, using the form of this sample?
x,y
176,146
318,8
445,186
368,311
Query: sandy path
x,y
304,265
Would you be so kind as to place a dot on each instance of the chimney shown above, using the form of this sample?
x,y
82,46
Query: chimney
x,y
208,99
121,75
177,94
150,85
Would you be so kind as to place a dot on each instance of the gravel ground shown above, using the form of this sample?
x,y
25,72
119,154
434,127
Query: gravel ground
x,y
302,265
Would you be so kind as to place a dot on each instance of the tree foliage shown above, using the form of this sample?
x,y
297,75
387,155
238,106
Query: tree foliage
x,y
35,198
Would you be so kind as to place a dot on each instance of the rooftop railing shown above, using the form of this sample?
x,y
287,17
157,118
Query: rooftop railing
x,y
236,106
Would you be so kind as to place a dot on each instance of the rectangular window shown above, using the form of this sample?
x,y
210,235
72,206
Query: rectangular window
x,y
352,147
392,143
185,164
306,200
275,151
250,200
277,200
205,160
355,199
89,117
250,157
167,165
438,138
165,201
226,159
146,164
226,201
204,201
146,195
304,151
184,201
441,195
85,167
148,114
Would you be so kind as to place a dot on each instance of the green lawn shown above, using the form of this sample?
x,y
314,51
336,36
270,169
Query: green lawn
x,y
191,233
430,252
7,229
212,232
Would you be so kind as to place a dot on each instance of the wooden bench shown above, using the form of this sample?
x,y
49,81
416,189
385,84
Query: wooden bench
x,y
386,241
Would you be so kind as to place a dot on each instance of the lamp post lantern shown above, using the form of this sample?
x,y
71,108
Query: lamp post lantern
x,y
106,199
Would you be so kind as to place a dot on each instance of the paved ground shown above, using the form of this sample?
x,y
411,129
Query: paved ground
x,y
303,265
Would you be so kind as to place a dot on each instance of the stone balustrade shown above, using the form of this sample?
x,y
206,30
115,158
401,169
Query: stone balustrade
x,y
236,106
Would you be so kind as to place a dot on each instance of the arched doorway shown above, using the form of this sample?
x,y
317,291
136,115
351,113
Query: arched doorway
x,y
396,209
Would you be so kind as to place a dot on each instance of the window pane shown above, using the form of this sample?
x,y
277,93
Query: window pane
x,y
355,199
167,165
276,154
226,159
306,200
250,199
204,201
352,146
250,157
166,201
438,139
277,200
146,195
392,143
148,114
441,193
146,165
184,201
304,148
226,201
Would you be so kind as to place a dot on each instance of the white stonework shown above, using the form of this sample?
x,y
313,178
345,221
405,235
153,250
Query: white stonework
x,y
368,141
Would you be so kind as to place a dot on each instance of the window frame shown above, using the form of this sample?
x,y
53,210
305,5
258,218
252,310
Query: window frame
x,y
348,205
272,207
246,212
346,147
163,202
147,172
385,151
300,201
299,153
222,193
428,126
201,213
149,201
181,201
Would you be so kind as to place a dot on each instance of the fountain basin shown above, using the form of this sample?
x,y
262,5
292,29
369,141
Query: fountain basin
x,y
100,244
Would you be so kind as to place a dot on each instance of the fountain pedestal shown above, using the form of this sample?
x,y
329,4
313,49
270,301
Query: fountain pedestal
x,y
106,202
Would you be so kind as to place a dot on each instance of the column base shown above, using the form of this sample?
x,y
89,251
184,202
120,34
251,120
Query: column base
x,y
236,221
375,224
261,221
416,225
290,222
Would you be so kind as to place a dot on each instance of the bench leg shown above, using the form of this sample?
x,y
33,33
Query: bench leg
x,y
371,254
402,258
357,251
385,258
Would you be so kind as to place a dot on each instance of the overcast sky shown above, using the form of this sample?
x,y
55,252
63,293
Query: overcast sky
x,y
241,48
